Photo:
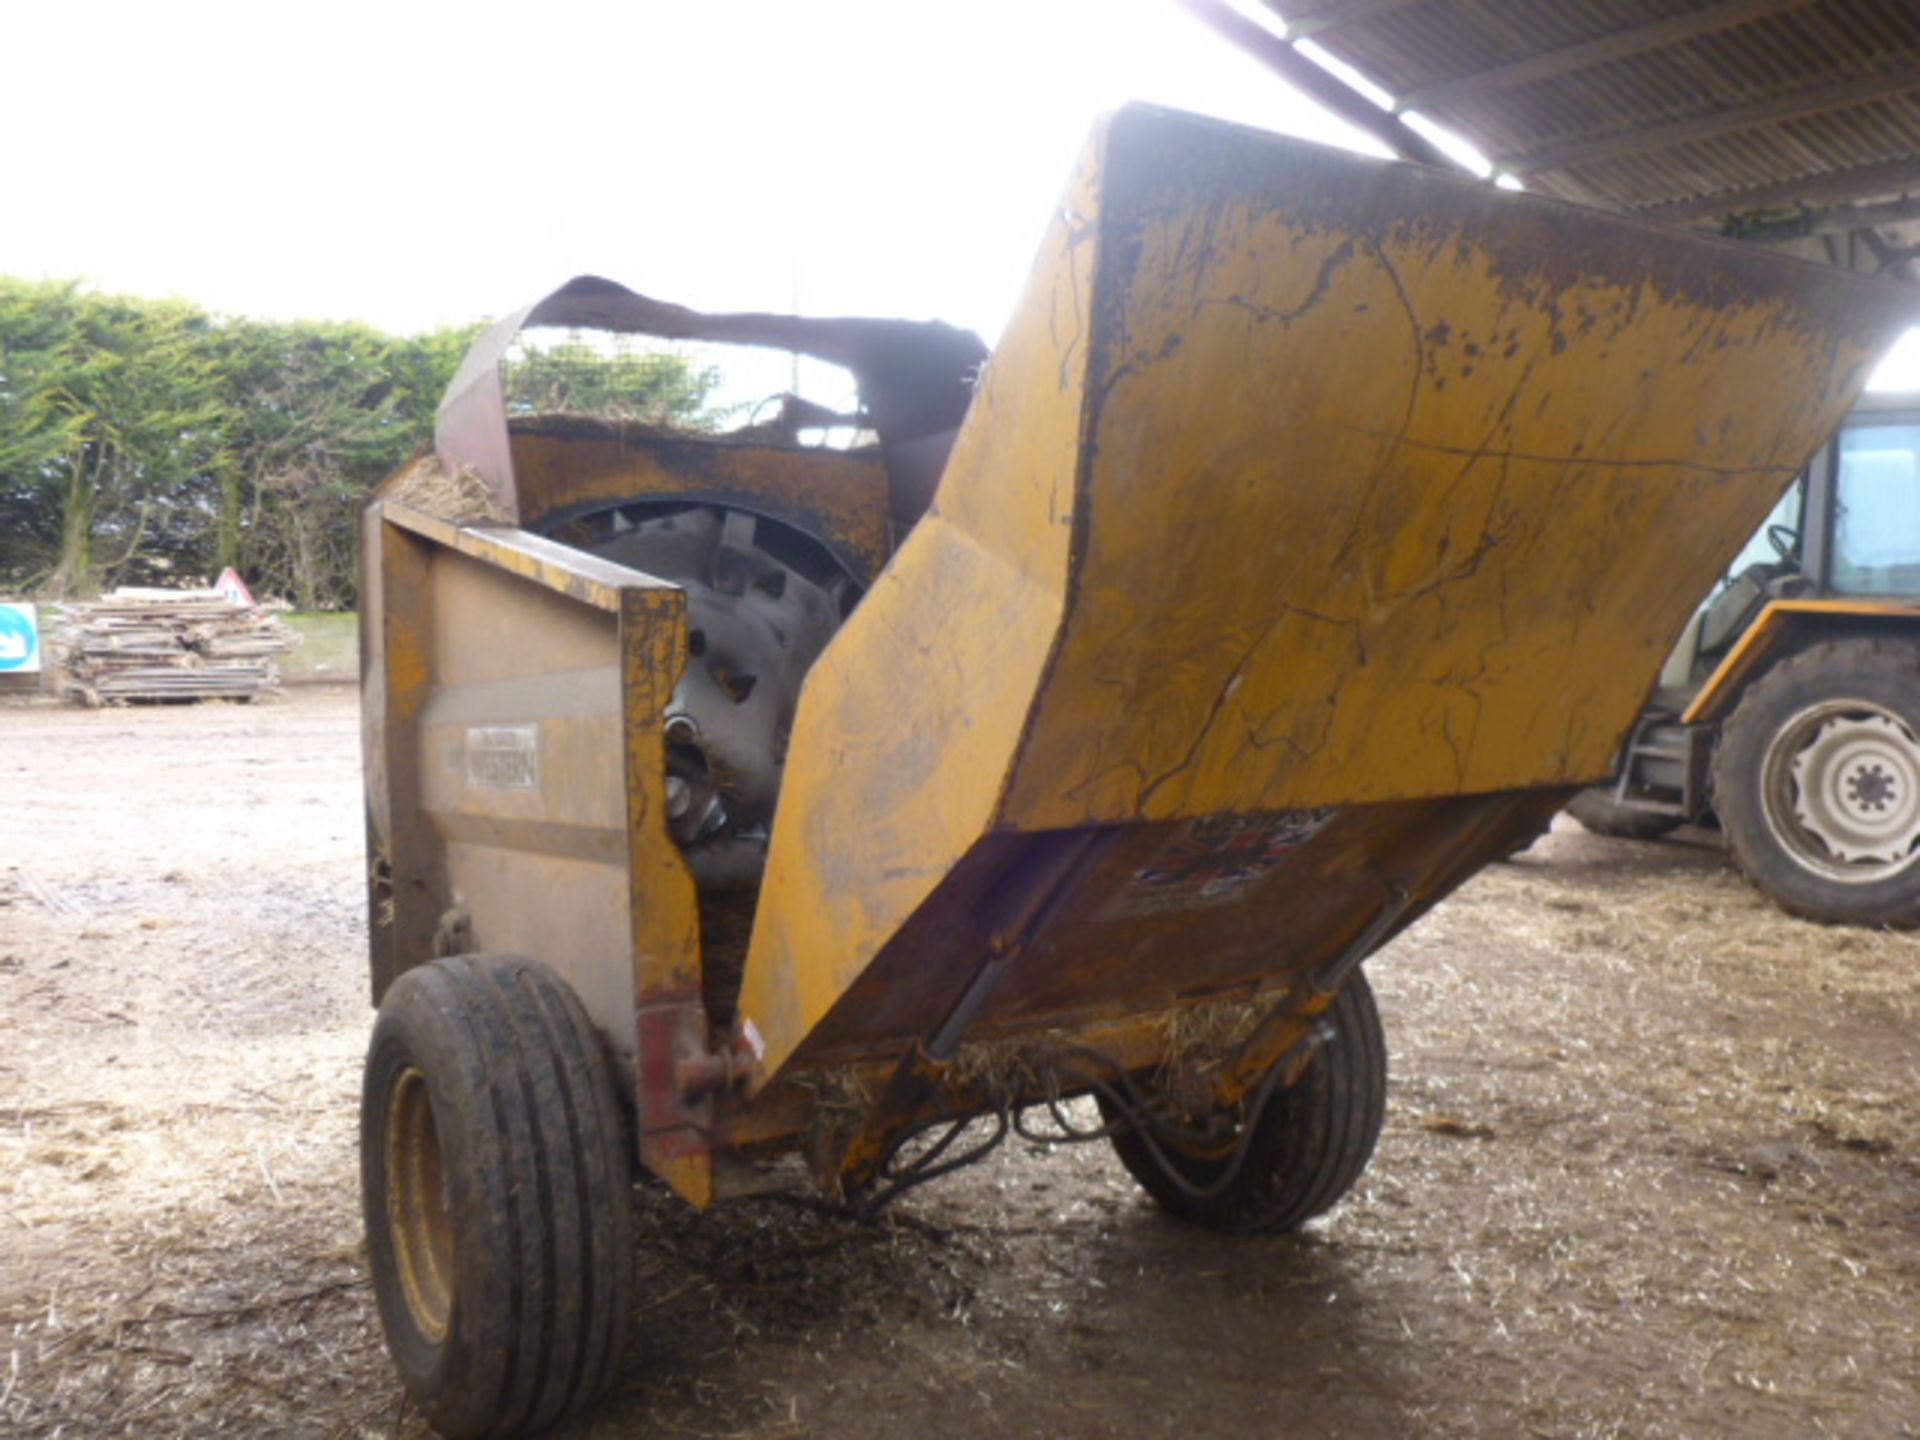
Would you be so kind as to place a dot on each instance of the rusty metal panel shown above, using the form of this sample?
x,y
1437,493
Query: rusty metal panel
x,y
1173,914
915,377
406,893
520,793
563,466
908,719
1300,483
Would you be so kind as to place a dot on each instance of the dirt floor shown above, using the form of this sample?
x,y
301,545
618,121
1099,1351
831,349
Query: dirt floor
x,y
1651,1167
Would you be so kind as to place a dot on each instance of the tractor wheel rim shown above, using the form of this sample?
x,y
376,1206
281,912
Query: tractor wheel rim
x,y
419,1217
1842,791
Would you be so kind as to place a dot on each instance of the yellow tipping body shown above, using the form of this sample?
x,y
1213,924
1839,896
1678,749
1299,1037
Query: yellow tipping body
x,y
1303,495
1316,529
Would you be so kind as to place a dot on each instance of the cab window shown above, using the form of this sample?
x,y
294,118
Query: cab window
x,y
1783,524
1876,515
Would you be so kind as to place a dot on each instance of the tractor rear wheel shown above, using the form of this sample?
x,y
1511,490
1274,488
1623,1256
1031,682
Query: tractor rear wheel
x,y
1305,1149
497,1195
1817,783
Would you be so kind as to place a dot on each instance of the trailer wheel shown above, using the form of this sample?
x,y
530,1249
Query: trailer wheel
x,y
1598,811
1817,783
497,1195
1306,1149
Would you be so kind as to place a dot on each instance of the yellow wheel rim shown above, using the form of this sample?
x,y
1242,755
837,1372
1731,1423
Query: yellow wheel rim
x,y
418,1215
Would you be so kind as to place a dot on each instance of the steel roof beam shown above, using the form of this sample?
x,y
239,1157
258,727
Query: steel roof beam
x,y
1847,93
1897,262
1636,40
1863,182
1835,220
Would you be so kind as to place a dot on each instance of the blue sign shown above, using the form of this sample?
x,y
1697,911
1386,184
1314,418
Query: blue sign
x,y
19,639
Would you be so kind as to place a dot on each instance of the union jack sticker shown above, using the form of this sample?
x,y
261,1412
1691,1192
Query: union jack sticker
x,y
1211,861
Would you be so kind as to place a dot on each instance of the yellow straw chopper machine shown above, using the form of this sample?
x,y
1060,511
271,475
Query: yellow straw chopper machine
x,y
758,811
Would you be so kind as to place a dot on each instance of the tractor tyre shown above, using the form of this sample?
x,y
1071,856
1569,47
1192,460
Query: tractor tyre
x,y
1817,783
497,1194
1598,810
1306,1148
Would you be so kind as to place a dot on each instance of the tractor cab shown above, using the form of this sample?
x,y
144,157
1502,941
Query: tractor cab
x,y
1848,527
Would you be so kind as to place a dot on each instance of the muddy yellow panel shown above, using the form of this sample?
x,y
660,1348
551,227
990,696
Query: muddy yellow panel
x,y
1299,482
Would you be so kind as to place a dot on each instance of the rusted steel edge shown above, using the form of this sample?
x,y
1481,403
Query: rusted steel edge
x,y
573,573
1278,1039
1026,898
915,376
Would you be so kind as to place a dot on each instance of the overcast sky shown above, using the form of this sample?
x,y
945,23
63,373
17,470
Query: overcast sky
x,y
414,164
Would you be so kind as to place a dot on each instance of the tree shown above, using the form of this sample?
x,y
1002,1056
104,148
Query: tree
x,y
577,378
148,441
110,425
309,422
136,401
36,329
422,367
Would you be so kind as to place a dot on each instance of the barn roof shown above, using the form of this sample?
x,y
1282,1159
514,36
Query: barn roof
x,y
1774,118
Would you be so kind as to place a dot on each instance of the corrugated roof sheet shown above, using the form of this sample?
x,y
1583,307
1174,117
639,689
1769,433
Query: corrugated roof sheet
x,y
1685,108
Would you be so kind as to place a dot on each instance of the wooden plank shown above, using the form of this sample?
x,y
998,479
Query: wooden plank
x,y
167,645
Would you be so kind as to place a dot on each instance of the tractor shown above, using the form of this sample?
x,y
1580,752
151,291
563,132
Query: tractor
x,y
1789,713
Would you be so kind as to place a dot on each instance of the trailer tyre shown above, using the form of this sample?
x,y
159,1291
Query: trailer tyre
x,y
1598,811
1817,783
1307,1149
497,1195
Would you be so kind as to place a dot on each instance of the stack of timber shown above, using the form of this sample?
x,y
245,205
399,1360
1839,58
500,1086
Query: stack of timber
x,y
168,645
